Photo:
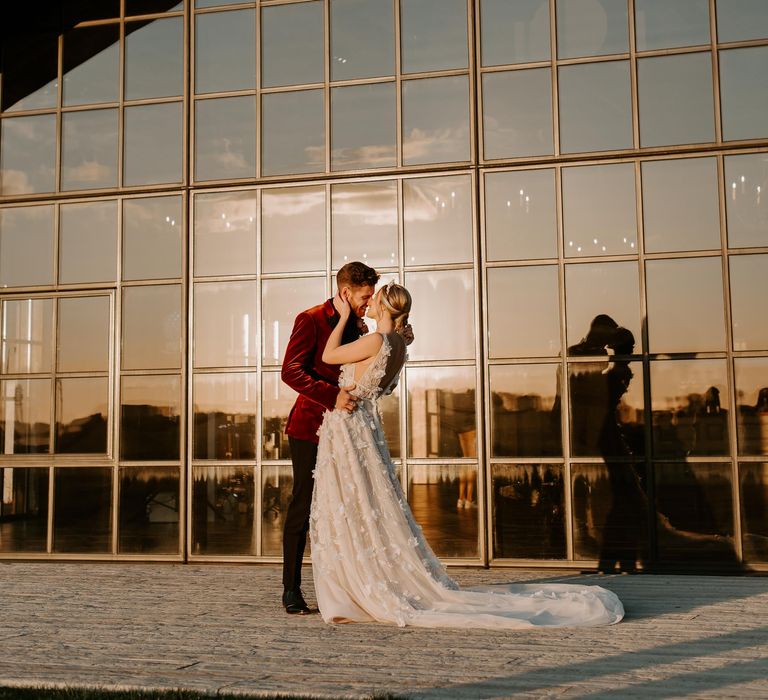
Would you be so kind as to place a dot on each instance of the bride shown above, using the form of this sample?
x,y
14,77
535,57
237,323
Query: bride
x,y
370,560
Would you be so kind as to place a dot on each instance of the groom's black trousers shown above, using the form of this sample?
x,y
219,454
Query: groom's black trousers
x,y
303,456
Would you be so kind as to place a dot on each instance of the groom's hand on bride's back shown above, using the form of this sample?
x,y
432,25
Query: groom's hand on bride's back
x,y
407,333
345,401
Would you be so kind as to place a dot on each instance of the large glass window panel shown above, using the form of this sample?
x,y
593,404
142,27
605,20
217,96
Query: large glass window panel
x,y
744,93
362,39
514,32
433,35
223,511
26,336
30,84
363,126
225,51
599,211
224,408
517,113
225,234
23,509
740,20
389,408
28,154
225,138
292,44
436,120
88,242
695,506
149,511
25,416
26,246
152,327
661,24
437,214
91,65
523,319
685,316
675,99
443,313
689,402
82,415
153,144
277,399
595,107
276,487
520,215
150,409
528,511
753,478
752,404
591,28
281,301
293,229
746,204
89,150
748,275
82,510
84,332
154,56
364,223
293,132
225,324
152,238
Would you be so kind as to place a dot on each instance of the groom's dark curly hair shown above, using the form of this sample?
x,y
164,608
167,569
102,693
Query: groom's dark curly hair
x,y
356,274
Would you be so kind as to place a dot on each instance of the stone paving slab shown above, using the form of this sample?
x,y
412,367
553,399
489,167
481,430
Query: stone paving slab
x,y
220,628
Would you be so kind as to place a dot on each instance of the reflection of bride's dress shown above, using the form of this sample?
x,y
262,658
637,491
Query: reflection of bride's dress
x,y
370,559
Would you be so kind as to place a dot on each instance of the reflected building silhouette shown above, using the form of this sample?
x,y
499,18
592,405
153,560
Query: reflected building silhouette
x,y
753,425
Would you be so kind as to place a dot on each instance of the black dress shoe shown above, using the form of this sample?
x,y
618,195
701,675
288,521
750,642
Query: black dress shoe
x,y
294,603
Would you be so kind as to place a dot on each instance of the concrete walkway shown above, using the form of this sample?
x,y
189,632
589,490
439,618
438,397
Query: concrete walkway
x,y
220,628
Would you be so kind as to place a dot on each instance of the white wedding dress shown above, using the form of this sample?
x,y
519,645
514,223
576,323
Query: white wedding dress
x,y
370,560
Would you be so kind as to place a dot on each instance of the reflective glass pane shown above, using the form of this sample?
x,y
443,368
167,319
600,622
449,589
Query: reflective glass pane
x,y
433,35
689,316
528,511
152,238
752,404
225,138
748,275
25,416
223,511
362,39
746,183
91,65
225,51
82,408
154,55
364,125
661,24
26,246
364,223
276,402
276,486
83,340
525,411
30,84
225,416
146,7
595,107
89,150
599,212
675,97
23,509
443,314
443,498
292,132
149,511
389,408
680,205
153,144
441,412
738,20
225,234
695,505
292,44
514,32
150,409
591,28
82,510
28,154
754,507
517,113
225,324
293,229
151,327
689,400
436,120
437,214
744,93
88,242
523,319
520,218
26,336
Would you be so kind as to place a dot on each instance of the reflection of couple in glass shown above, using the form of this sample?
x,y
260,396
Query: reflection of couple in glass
x,y
370,559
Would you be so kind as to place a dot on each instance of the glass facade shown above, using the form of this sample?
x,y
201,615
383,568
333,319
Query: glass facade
x,y
575,192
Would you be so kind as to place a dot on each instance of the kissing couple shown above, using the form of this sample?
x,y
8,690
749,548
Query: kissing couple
x,y
370,560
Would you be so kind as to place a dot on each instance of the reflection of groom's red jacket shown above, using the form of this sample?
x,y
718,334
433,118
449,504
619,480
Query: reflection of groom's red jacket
x,y
305,372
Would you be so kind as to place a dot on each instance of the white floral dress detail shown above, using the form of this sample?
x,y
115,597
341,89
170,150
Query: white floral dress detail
x,y
370,560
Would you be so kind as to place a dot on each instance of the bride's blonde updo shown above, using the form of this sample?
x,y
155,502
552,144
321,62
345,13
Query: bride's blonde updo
x,y
397,300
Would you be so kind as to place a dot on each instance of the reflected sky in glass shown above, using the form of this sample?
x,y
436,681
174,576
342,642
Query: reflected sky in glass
x,y
748,275
744,93
154,55
752,403
153,144
746,204
26,246
740,20
362,39
661,24
82,413
28,154
83,337
514,32
152,225
292,44
152,327
433,35
225,138
88,242
225,234
591,28
225,51
26,342
91,65
89,149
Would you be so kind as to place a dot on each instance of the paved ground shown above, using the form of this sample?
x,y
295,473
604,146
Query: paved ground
x,y
219,628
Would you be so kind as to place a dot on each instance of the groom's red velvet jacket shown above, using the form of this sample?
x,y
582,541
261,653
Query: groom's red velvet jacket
x,y
305,372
